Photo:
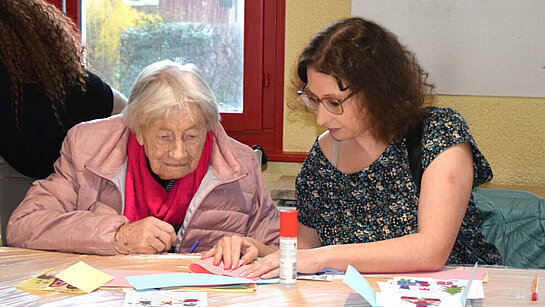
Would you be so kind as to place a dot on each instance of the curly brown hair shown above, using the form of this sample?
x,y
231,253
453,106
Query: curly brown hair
x,y
382,73
40,47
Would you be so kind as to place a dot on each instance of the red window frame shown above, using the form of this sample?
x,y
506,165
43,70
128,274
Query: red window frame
x,y
262,119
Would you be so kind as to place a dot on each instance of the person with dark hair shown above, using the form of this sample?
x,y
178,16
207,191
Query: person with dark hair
x,y
359,200
44,87
44,91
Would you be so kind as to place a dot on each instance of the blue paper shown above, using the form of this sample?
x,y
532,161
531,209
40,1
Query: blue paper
x,y
189,280
358,283
463,298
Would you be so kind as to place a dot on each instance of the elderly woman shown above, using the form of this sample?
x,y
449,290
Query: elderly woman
x,y
162,174
359,200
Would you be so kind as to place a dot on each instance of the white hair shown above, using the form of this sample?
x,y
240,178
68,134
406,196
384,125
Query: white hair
x,y
166,85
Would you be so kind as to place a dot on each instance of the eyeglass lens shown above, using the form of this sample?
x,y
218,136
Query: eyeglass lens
x,y
332,106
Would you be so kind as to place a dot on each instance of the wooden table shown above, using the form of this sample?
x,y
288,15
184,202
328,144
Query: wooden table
x,y
505,287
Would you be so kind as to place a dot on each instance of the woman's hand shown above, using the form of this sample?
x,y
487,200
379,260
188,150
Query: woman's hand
x,y
149,235
230,249
308,261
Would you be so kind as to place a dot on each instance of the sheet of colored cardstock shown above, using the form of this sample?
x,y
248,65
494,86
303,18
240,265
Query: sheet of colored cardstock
x,y
463,299
48,282
120,280
358,283
248,288
84,277
188,280
461,274
207,266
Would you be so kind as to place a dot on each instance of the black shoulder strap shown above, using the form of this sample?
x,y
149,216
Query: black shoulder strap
x,y
414,152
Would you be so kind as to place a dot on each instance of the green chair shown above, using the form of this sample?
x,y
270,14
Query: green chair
x,y
514,221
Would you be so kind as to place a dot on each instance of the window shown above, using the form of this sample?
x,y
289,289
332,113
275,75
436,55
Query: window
x,y
239,45
124,36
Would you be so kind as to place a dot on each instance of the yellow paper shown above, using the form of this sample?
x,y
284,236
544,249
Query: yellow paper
x,y
84,277
47,281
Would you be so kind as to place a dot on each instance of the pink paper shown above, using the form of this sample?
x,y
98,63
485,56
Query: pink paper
x,y
120,280
461,274
207,266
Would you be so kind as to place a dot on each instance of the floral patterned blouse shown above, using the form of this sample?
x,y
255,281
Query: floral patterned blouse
x,y
381,201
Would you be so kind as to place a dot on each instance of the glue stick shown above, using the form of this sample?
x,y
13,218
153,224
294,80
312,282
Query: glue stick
x,y
288,249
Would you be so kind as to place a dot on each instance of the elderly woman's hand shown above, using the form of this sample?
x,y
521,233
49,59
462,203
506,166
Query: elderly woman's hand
x,y
146,236
230,249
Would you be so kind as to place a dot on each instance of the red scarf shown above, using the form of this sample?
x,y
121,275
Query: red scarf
x,y
144,196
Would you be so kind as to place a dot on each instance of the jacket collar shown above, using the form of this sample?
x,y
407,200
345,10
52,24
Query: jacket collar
x,y
112,149
225,157
112,153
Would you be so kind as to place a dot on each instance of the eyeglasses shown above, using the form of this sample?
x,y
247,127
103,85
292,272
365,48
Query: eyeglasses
x,y
332,105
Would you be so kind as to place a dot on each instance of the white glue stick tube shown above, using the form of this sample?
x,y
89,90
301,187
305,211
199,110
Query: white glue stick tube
x,y
288,249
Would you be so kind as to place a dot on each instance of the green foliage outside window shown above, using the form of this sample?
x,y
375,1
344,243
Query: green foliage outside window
x,y
215,49
121,42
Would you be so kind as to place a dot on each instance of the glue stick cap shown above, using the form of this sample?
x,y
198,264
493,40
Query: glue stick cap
x,y
288,223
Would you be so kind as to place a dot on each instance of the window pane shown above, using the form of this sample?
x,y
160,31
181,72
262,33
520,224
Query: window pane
x,y
124,36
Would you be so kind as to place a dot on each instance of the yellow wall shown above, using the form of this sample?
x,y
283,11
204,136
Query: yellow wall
x,y
509,131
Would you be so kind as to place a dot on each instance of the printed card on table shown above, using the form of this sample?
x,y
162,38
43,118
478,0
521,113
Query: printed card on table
x,y
79,278
417,291
426,292
164,298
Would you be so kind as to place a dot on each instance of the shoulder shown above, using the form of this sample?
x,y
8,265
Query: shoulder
x,y
325,143
101,123
443,128
231,158
444,119
95,102
315,165
93,80
98,132
230,146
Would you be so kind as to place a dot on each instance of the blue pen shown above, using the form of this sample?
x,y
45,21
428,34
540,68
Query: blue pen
x,y
192,248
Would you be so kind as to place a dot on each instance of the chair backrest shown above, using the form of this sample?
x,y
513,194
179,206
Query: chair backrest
x,y
13,187
514,221
261,154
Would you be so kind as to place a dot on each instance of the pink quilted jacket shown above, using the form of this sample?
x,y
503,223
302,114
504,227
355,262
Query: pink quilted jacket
x,y
80,207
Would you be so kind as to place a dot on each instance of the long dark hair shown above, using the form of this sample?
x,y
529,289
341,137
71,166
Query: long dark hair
x,y
384,74
40,47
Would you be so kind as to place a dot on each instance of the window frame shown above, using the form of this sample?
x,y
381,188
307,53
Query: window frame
x,y
260,123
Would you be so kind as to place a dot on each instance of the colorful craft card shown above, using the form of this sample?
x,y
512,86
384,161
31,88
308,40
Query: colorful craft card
x,y
207,266
120,280
415,291
78,278
189,280
164,298
47,281
358,283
